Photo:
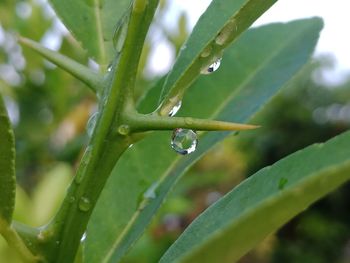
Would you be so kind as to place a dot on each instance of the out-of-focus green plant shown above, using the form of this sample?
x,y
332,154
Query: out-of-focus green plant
x,y
127,168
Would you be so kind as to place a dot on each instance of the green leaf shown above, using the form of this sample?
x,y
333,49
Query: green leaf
x,y
248,79
258,206
221,24
93,23
7,167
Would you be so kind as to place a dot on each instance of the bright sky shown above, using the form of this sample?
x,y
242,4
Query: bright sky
x,y
334,38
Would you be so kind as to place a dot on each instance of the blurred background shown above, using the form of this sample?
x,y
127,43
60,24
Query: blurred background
x,y
49,110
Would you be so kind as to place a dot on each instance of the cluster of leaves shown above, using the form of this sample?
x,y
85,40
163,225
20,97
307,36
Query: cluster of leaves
x,y
115,212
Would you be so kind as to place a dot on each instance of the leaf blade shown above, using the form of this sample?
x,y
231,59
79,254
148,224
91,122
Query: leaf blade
x,y
220,25
240,219
7,166
92,22
152,159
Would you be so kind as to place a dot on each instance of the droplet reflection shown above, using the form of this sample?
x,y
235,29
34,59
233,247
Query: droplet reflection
x,y
212,68
175,109
184,141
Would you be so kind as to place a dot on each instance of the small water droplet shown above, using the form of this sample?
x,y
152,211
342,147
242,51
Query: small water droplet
x,y
91,124
226,34
175,109
84,204
189,120
183,47
282,183
206,52
150,193
84,162
184,141
212,68
71,199
131,145
83,237
109,68
124,129
41,236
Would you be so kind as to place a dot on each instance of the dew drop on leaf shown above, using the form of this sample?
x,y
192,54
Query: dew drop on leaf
x,y
212,68
91,124
82,240
206,52
184,141
282,183
175,109
150,193
84,204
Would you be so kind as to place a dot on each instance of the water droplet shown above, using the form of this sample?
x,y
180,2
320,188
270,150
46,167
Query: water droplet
x,y
41,236
282,183
120,33
212,68
189,120
71,199
84,162
109,68
206,52
91,124
84,204
183,47
226,34
175,109
131,145
151,191
83,237
124,129
184,141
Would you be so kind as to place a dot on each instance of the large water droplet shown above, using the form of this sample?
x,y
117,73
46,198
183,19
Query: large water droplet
x,y
84,204
212,68
91,124
175,109
184,141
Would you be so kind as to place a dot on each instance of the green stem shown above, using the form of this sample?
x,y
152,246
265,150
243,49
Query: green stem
x,y
105,148
16,243
91,79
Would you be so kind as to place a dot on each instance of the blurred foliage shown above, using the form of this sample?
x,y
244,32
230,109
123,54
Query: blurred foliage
x,y
49,110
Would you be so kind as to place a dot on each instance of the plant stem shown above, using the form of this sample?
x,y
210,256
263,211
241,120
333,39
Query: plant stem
x,y
16,243
91,79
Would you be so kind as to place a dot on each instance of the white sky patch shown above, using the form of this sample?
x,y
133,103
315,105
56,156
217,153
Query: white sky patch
x,y
161,60
333,39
